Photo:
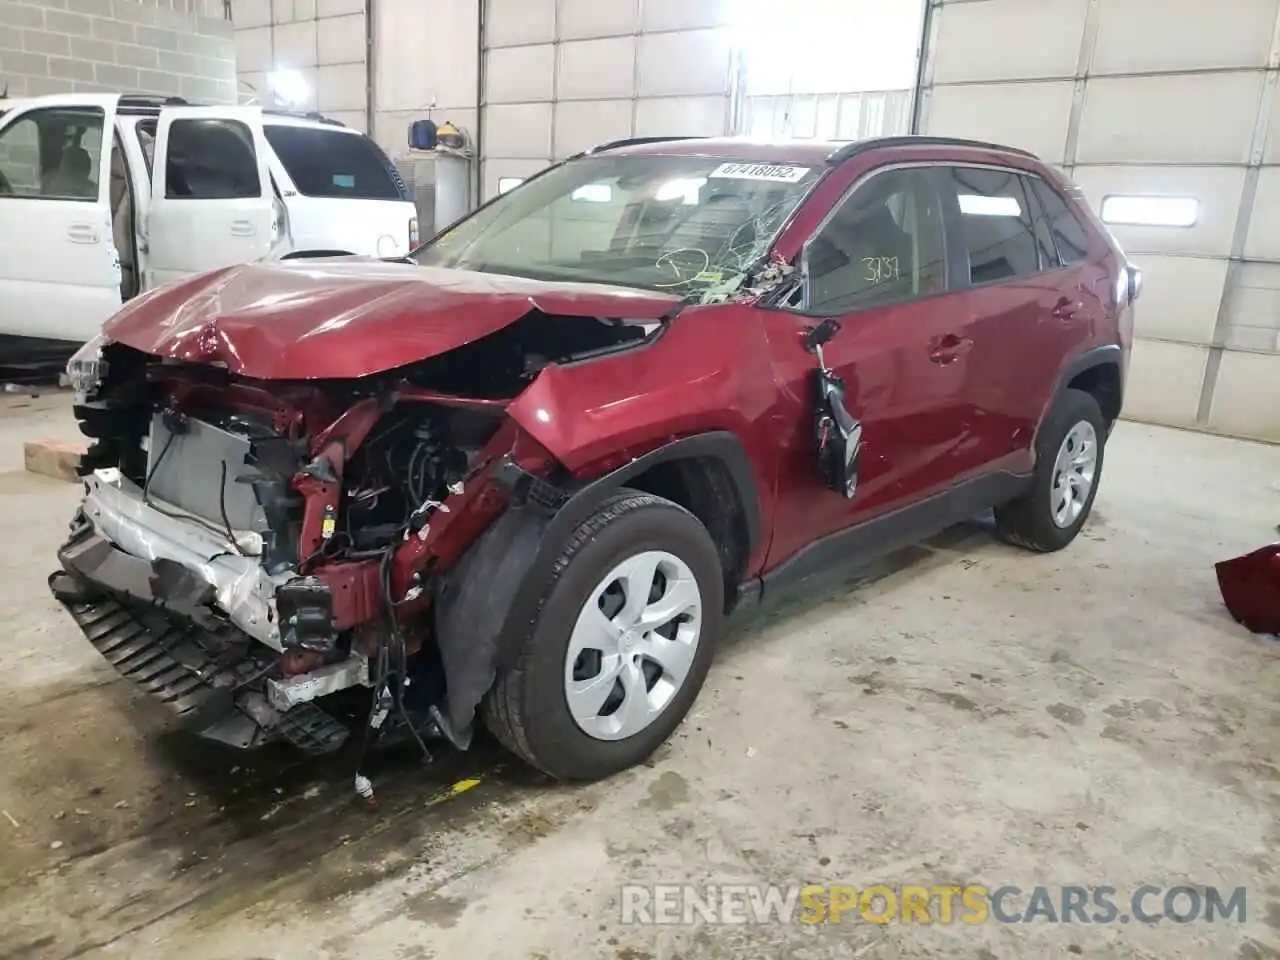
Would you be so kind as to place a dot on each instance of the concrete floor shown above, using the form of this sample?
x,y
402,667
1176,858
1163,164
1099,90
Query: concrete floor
x,y
968,714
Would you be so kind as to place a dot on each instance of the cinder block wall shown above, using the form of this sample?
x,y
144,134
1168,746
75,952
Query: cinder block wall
x,y
323,40
171,47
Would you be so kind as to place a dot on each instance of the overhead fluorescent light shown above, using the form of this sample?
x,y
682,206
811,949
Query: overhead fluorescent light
x,y
973,205
509,183
289,87
1137,211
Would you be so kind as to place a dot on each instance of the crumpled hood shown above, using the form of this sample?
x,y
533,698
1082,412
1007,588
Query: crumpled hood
x,y
349,317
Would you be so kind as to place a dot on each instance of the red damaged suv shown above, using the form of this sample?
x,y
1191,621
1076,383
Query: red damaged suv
x,y
523,474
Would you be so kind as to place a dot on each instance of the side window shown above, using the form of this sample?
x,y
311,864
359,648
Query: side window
x,y
1068,233
883,245
211,160
1049,259
52,154
996,224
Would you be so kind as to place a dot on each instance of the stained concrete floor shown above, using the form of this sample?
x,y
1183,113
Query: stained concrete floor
x,y
966,713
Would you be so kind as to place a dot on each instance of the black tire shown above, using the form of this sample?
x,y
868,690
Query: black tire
x,y
1028,520
526,708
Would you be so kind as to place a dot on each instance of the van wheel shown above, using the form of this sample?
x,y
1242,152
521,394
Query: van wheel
x,y
620,645
1068,470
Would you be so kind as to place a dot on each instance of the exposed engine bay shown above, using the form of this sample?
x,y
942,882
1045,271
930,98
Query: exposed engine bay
x,y
265,556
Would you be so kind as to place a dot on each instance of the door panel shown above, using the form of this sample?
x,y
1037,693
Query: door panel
x,y
1074,299
59,270
211,201
879,265
991,224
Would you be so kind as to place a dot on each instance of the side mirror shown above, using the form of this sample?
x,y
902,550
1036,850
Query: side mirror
x,y
818,337
1135,282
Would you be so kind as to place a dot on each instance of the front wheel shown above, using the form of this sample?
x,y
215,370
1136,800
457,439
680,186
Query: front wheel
x,y
1051,512
621,644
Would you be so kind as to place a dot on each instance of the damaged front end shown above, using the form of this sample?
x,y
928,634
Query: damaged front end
x,y
272,558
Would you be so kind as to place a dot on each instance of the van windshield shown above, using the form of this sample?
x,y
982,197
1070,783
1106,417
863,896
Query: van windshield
x,y
335,163
695,226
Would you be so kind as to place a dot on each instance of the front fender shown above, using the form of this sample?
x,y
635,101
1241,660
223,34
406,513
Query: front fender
x,y
595,415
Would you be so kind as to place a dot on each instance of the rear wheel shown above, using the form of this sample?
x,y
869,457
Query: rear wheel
x,y
1068,470
621,644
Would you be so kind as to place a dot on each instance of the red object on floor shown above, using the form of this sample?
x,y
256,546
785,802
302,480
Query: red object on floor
x,y
1250,587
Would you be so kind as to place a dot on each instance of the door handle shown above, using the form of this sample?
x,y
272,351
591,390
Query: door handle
x,y
950,348
82,233
242,228
1066,308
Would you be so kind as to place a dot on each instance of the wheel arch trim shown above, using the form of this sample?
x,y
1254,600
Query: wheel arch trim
x,y
721,445
1110,354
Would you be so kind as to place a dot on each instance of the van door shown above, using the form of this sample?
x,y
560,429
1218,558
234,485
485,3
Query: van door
x,y
59,272
341,192
210,192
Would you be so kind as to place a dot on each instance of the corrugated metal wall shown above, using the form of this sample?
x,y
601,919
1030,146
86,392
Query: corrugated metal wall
x,y
323,40
828,116
1167,99
563,75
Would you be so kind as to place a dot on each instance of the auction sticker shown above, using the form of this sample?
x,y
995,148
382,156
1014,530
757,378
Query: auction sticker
x,y
777,173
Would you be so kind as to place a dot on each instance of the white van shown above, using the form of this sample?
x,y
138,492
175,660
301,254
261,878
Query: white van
x,y
88,221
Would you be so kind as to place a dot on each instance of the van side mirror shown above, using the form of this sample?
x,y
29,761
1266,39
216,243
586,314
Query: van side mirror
x,y
1135,282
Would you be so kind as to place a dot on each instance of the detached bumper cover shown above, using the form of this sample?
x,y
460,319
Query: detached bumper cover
x,y
1250,588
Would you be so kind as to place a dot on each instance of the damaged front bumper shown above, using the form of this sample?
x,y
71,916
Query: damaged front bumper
x,y
152,556
192,620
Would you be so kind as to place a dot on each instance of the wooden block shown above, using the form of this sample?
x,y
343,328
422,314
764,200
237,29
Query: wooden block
x,y
53,458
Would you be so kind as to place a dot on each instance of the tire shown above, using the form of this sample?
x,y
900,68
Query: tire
x,y
1029,521
528,709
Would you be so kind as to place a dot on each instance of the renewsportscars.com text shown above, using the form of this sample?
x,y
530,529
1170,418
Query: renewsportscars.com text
x,y
920,904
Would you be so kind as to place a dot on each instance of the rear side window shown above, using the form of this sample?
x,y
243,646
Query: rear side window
x,y
52,154
1044,236
1068,233
333,163
996,224
211,160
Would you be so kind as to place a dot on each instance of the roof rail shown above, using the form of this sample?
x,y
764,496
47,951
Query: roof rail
x,y
629,142
151,100
919,140
303,115
146,104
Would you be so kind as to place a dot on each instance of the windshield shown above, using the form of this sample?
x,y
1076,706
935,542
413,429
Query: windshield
x,y
689,225
335,163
